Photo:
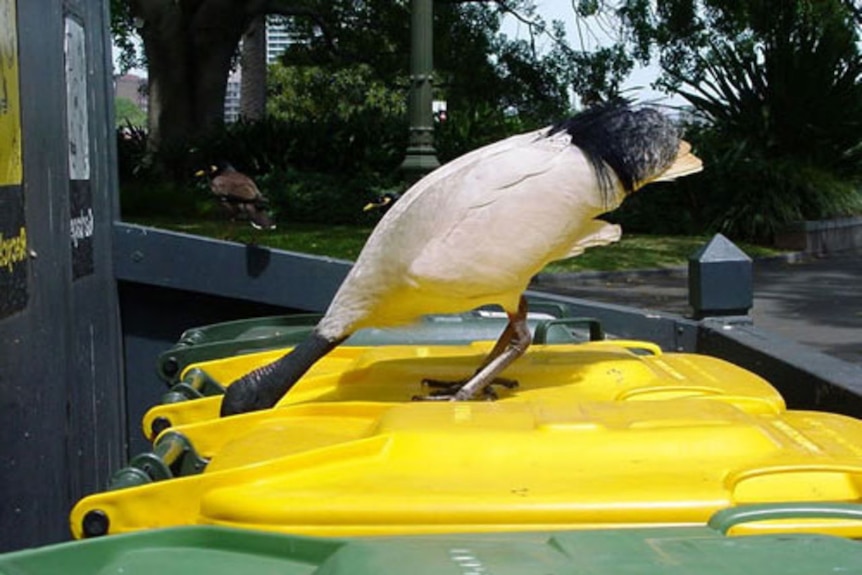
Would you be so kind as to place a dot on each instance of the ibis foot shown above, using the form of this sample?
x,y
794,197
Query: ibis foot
x,y
448,390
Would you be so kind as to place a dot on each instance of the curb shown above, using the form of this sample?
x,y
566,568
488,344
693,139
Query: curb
x,y
671,271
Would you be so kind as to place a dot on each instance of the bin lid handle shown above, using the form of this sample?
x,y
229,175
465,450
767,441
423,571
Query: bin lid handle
x,y
728,518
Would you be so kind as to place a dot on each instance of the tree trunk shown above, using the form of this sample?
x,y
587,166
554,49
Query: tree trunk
x,y
253,63
189,45
189,48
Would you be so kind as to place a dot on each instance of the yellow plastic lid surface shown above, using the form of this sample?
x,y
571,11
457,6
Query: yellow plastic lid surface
x,y
365,468
596,371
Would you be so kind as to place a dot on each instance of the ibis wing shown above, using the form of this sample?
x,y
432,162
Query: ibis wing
x,y
597,233
491,226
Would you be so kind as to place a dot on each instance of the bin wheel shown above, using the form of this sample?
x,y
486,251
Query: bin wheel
x,y
159,424
95,523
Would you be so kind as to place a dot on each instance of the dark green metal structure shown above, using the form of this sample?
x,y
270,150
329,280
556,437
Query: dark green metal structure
x,y
421,156
61,402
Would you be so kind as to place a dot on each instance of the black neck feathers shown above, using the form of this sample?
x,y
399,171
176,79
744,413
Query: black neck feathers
x,y
637,144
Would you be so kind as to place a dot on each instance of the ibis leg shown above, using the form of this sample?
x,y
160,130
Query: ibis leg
x,y
512,344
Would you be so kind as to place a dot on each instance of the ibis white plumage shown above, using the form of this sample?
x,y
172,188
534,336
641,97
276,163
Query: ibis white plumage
x,y
476,230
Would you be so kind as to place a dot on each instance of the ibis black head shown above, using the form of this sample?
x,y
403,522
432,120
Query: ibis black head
x,y
638,144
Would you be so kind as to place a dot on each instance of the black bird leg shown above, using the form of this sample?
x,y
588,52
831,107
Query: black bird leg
x,y
511,345
266,385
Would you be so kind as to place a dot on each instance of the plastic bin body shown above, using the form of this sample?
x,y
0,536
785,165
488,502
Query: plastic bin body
x,y
667,551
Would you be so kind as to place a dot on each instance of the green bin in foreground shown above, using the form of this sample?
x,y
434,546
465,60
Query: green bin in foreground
x,y
664,551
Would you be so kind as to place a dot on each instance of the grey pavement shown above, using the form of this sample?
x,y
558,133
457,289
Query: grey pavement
x,y
813,301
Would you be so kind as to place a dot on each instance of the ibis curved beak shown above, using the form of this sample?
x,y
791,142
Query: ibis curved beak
x,y
684,164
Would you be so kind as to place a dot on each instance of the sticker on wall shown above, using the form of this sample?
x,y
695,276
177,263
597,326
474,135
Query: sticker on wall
x,y
81,221
10,109
13,253
81,228
76,101
13,228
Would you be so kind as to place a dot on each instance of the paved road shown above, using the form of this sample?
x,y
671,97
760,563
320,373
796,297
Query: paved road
x,y
816,301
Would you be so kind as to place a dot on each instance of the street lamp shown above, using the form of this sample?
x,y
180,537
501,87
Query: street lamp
x,y
421,156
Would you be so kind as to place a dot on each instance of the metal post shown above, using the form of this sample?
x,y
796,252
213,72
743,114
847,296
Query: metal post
x,y
720,280
421,156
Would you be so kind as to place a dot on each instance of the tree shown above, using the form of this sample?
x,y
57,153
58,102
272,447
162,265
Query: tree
x,y
492,85
127,113
253,64
189,46
778,86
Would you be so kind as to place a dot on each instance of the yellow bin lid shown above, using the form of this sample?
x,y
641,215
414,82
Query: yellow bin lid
x,y
595,371
339,469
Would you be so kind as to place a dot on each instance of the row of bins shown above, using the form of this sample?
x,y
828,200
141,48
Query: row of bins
x,y
600,436
598,433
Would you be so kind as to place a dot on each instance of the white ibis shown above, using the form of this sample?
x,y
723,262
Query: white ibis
x,y
476,230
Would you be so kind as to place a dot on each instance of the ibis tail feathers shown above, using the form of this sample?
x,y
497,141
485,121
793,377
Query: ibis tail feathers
x,y
597,233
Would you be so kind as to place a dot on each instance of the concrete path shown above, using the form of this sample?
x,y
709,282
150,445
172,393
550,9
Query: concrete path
x,y
815,301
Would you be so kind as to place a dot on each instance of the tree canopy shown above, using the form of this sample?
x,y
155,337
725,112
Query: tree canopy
x,y
189,47
777,89
773,87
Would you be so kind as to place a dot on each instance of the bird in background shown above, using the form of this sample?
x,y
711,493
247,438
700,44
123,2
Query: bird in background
x,y
476,230
238,194
382,203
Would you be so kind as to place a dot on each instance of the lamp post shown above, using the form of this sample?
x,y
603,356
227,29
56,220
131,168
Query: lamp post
x,y
421,156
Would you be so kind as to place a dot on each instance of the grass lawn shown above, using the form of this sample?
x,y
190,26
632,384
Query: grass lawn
x,y
344,242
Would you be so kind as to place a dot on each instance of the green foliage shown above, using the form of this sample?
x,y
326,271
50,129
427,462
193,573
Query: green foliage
x,y
466,130
127,113
131,151
776,87
338,120
321,171
473,63
477,68
297,93
123,34
317,197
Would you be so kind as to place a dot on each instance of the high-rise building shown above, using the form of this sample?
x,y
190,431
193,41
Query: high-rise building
x,y
277,38
231,97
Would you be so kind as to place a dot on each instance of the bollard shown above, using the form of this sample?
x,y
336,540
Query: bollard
x,y
720,280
